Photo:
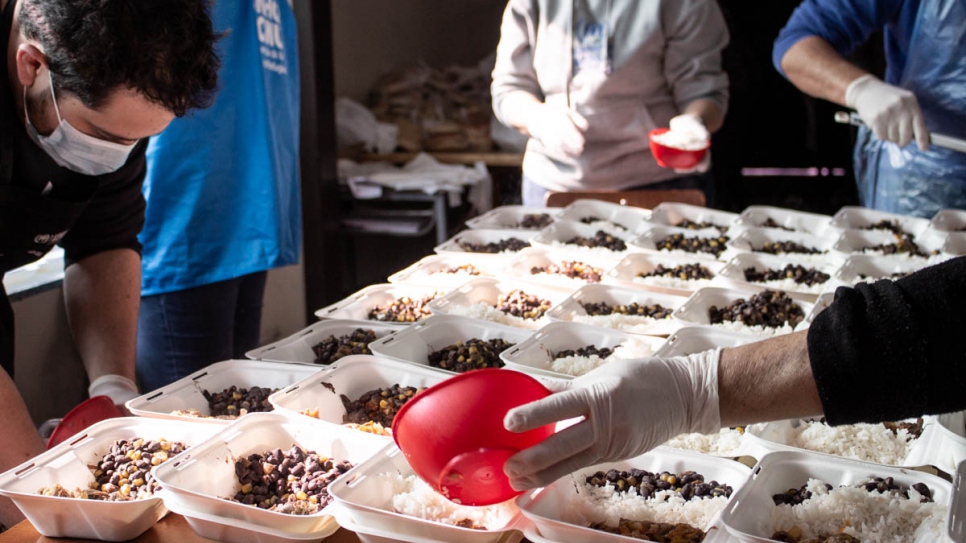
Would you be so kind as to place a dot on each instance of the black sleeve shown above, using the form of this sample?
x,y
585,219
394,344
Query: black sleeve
x,y
115,215
893,349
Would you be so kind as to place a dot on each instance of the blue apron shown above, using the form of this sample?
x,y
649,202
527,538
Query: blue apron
x,y
906,180
222,185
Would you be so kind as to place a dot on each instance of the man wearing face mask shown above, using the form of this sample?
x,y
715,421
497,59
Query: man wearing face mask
x,y
87,82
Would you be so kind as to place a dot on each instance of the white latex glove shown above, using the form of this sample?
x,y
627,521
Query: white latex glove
x,y
557,128
116,387
891,112
629,407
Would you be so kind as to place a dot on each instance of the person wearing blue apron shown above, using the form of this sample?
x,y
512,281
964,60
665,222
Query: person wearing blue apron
x,y
72,142
924,92
223,207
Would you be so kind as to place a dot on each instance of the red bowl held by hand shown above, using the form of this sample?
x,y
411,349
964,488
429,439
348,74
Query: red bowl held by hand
x,y
452,433
672,157
85,414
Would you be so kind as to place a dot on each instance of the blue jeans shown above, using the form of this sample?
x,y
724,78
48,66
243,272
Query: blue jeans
x,y
533,195
184,331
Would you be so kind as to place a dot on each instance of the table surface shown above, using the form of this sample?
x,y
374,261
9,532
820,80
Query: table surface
x,y
171,529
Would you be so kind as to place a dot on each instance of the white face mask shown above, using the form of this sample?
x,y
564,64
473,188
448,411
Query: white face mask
x,y
75,150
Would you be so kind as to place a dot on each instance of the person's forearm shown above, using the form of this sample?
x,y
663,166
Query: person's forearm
x,y
709,111
818,70
103,294
516,107
767,380
21,440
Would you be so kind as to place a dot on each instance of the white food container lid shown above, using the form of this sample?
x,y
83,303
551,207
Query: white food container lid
x,y
625,273
572,310
696,339
799,221
510,217
653,234
521,268
733,274
298,348
625,218
487,292
855,217
453,247
427,272
357,306
556,237
673,213
695,310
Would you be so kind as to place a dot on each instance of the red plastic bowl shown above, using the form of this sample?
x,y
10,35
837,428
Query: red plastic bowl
x,y
79,418
452,433
672,157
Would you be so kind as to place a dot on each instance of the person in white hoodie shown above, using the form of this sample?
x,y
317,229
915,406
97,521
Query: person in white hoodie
x,y
587,80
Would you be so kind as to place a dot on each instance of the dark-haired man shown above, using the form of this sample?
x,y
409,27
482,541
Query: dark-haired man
x,y
87,82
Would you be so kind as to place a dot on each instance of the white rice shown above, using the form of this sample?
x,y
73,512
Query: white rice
x,y
579,365
440,279
414,498
680,253
628,323
609,227
726,442
592,504
486,312
791,286
867,442
590,252
758,330
817,258
869,516
673,282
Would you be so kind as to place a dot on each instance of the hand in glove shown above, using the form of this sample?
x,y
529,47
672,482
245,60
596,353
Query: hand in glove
x,y
629,407
891,112
692,127
559,129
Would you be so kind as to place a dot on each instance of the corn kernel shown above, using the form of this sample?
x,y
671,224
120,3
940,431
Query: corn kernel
x,y
302,495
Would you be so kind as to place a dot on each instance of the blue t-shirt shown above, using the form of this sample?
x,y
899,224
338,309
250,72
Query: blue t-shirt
x,y
222,183
846,24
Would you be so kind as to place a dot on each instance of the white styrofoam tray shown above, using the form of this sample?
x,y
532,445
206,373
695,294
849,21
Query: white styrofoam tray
x,y
521,267
956,522
652,235
351,376
733,274
752,239
186,393
357,306
948,220
368,534
626,273
452,246
203,477
534,355
613,218
715,534
798,221
874,268
747,514
853,241
571,309
414,344
67,464
556,237
859,218
298,346
430,272
695,310
673,213
696,339
954,244
949,449
488,292
545,507
365,502
509,217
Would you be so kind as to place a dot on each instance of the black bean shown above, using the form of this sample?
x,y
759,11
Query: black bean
x,y
510,245
601,239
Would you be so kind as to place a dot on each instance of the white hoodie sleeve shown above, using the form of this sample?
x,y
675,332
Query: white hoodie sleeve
x,y
696,35
513,72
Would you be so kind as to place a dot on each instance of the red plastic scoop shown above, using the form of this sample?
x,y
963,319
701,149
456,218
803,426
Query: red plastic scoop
x,y
85,414
452,433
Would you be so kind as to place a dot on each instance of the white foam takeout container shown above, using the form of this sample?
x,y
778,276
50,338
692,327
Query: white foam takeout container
x,y
694,311
509,217
852,242
488,291
956,522
201,479
546,507
365,507
653,234
948,220
747,515
351,376
733,274
798,221
186,393
572,310
452,246
715,534
297,348
752,239
428,272
860,218
873,267
625,218
697,339
948,450
357,306
672,213
414,344
626,272
521,267
556,237
67,464
535,354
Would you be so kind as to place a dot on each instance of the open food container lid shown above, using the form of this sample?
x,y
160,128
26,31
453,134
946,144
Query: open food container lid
x,y
372,304
609,216
486,245
692,216
443,271
783,219
300,347
515,218
574,309
608,244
